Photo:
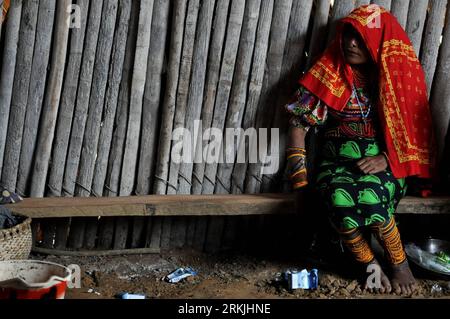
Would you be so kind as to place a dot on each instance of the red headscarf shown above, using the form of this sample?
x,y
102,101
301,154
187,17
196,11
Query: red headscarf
x,y
404,110
4,10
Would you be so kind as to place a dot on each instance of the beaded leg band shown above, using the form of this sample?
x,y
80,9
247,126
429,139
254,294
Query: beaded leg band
x,y
389,237
353,239
296,157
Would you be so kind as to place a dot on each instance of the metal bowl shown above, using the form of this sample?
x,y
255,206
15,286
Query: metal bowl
x,y
432,246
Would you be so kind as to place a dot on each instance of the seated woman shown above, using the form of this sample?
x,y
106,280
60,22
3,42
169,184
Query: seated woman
x,y
368,96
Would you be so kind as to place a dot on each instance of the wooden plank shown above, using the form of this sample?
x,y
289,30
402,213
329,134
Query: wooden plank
x,y
20,94
440,95
417,13
431,39
193,205
117,252
399,9
9,58
41,57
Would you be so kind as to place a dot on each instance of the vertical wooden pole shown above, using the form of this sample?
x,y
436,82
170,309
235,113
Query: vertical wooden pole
x,y
196,87
399,9
127,180
95,112
82,100
278,37
212,79
238,95
20,91
151,110
41,57
417,13
254,91
183,85
383,3
136,98
168,110
68,100
112,182
77,227
440,96
11,39
317,43
51,101
226,79
432,38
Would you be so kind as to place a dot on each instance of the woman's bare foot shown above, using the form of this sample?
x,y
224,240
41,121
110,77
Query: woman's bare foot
x,y
384,286
402,279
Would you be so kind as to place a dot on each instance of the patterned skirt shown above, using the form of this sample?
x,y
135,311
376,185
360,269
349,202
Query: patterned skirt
x,y
352,197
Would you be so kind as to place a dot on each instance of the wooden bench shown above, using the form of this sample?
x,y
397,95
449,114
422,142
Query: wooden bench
x,y
192,205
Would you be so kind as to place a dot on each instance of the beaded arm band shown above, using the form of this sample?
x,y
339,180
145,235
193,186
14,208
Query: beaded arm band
x,y
297,169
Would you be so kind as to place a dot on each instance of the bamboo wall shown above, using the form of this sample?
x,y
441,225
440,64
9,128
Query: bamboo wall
x,y
89,111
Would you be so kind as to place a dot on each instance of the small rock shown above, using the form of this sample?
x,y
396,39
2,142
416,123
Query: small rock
x,y
352,286
344,292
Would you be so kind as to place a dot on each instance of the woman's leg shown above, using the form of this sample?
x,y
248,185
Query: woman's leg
x,y
402,279
355,242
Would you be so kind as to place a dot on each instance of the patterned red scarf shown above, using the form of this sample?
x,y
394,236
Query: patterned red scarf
x,y
405,114
4,9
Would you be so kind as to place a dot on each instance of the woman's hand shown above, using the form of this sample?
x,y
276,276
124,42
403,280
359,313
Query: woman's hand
x,y
373,164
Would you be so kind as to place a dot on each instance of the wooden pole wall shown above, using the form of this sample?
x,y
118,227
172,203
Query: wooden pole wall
x,y
90,111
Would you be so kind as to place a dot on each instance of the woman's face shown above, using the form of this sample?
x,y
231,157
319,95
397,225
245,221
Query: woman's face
x,y
355,52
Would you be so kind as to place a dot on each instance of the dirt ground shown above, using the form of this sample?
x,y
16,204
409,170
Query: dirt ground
x,y
219,276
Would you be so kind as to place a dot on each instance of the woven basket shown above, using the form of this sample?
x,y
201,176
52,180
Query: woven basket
x,y
16,242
